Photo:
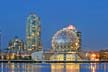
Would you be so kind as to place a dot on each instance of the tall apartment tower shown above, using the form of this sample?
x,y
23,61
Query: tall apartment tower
x,y
33,33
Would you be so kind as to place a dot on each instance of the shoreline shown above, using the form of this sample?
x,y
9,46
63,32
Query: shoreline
x,y
47,61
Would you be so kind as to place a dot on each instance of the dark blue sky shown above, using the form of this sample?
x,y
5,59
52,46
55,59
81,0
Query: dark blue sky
x,y
89,16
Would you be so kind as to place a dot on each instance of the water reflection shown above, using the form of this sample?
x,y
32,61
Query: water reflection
x,y
73,67
93,67
19,67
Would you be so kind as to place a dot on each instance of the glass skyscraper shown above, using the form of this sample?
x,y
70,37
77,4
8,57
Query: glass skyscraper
x,y
33,36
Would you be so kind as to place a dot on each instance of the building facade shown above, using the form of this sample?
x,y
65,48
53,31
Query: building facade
x,y
33,33
15,49
16,45
66,44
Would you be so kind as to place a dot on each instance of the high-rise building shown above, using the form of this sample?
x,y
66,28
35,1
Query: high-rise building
x,y
33,37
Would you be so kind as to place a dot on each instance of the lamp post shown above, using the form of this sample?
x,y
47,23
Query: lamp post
x,y
1,55
0,40
64,59
0,46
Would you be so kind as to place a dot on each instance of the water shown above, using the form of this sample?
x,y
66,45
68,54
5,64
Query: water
x,y
72,67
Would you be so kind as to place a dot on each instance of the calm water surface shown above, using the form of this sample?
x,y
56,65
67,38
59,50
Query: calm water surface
x,y
72,67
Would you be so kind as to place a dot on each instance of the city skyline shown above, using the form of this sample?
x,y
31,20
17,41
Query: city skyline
x,y
90,17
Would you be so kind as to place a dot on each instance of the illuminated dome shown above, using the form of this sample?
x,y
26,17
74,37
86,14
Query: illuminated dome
x,y
66,39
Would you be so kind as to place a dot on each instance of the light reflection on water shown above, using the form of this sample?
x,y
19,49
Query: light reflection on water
x,y
73,67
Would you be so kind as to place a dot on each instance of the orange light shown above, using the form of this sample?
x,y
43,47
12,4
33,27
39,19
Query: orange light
x,y
93,55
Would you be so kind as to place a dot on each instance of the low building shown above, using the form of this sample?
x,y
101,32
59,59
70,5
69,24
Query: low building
x,y
104,54
36,56
93,56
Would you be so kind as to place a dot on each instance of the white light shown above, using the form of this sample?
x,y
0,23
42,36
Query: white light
x,y
71,27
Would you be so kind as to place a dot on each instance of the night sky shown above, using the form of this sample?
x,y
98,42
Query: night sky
x,y
89,16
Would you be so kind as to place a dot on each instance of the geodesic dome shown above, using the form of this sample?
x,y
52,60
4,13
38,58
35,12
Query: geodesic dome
x,y
65,39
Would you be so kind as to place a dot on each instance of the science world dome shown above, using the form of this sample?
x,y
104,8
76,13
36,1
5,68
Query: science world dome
x,y
66,39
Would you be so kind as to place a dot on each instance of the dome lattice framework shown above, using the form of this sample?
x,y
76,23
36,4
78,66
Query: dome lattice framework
x,y
66,39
